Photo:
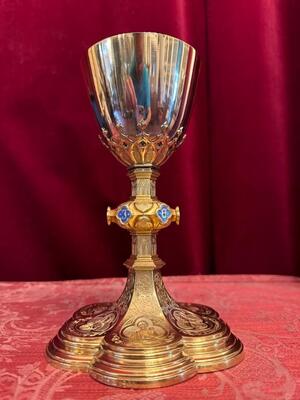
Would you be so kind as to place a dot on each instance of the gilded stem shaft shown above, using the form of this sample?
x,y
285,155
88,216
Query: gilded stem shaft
x,y
143,243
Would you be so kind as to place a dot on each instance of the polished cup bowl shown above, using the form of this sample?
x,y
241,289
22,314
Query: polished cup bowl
x,y
141,86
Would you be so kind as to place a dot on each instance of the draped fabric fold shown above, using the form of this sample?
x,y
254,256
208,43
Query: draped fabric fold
x,y
236,178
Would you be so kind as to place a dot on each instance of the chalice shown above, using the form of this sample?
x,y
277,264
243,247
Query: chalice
x,y
141,87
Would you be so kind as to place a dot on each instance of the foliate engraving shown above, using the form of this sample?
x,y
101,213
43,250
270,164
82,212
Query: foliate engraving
x,y
185,319
125,298
93,326
91,310
192,324
96,320
166,301
200,309
97,326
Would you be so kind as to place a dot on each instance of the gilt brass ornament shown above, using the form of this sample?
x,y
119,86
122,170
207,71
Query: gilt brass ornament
x,y
141,87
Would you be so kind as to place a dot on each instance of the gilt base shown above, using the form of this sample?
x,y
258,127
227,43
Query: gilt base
x,y
145,339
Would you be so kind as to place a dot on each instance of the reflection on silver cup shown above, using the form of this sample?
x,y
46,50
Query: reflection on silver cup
x,y
140,85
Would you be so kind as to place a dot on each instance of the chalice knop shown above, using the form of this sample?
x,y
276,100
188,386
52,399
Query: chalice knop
x,y
141,87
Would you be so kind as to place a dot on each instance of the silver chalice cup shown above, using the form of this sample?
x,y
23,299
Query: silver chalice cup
x,y
141,86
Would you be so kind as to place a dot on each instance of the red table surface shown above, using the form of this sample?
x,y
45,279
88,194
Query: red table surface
x,y
264,311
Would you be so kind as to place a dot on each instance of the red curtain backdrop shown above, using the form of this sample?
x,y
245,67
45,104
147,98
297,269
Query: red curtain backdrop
x,y
236,178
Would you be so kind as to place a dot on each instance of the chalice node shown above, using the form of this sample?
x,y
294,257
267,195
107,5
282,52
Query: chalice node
x,y
141,87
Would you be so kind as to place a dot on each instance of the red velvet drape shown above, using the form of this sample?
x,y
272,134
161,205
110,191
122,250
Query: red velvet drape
x,y
236,178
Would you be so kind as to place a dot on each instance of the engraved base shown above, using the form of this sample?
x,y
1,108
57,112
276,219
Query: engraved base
x,y
145,339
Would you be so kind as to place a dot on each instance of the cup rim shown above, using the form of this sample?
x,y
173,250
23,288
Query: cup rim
x,y
147,32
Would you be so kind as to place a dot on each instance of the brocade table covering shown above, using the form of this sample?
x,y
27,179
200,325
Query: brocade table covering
x,y
264,311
